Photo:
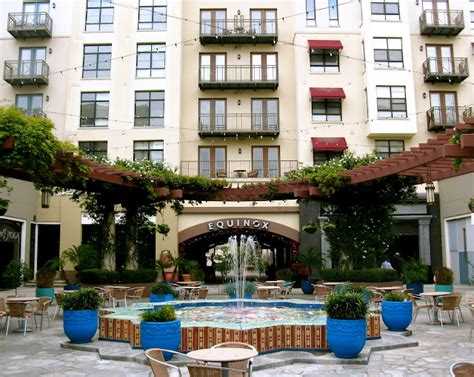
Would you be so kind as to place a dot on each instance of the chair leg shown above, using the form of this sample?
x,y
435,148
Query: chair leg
x,y
440,314
7,325
56,311
25,326
460,312
429,315
41,323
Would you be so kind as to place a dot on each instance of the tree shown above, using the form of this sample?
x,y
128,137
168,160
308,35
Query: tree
x,y
15,274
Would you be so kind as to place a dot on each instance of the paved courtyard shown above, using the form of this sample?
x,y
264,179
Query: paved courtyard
x,y
41,354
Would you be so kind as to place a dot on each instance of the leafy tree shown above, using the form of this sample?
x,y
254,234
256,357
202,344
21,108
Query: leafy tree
x,y
15,274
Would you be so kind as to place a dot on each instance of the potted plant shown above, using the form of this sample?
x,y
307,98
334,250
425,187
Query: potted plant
x,y
310,228
366,294
415,274
81,314
471,204
162,291
397,311
163,229
45,279
160,329
284,274
187,266
444,279
346,324
3,206
249,290
15,274
311,260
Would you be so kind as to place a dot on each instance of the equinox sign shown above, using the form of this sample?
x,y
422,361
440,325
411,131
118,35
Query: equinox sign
x,y
238,223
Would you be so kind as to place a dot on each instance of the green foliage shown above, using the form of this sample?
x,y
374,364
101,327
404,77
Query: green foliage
x,y
310,228
163,228
16,273
444,276
144,275
83,299
84,257
165,313
249,288
361,290
414,271
46,274
348,305
395,296
284,274
312,260
162,288
373,275
197,274
98,276
4,204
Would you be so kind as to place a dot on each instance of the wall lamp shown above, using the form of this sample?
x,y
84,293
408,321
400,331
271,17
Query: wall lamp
x,y
421,48
424,95
45,197
240,150
238,102
430,193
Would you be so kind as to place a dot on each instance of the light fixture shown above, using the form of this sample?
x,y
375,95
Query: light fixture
x,y
54,5
50,50
238,102
47,98
238,56
45,197
421,48
424,95
430,193
240,150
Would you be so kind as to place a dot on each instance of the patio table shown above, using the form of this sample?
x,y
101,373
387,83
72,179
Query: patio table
x,y
432,296
272,289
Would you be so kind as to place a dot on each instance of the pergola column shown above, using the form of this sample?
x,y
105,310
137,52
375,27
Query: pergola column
x,y
424,240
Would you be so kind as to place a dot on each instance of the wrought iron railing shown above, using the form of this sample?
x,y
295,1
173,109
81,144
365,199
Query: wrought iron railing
x,y
25,69
29,21
446,67
436,18
445,117
238,73
239,122
238,26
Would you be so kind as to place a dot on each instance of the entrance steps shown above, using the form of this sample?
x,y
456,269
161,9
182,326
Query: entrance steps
x,y
57,283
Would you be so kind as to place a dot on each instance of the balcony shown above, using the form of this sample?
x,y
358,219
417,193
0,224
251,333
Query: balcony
x,y
441,22
30,72
25,25
239,169
37,113
239,31
440,118
452,70
253,125
238,77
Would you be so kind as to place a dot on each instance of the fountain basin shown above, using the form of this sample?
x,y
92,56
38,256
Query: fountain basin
x,y
267,325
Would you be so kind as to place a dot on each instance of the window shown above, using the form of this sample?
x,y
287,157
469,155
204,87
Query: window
x,y
212,114
265,114
333,12
326,61
32,13
94,148
263,21
266,160
386,148
391,102
311,12
213,21
31,61
94,109
99,15
96,62
326,110
31,104
212,161
151,150
320,157
385,10
151,16
264,67
213,67
151,60
388,52
149,109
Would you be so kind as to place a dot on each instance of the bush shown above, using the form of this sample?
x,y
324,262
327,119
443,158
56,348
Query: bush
x,y
98,276
162,288
348,305
84,257
164,314
444,276
15,274
249,288
374,275
45,277
414,271
395,296
284,274
147,275
83,299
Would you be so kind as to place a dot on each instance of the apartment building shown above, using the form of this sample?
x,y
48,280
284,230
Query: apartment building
x,y
245,91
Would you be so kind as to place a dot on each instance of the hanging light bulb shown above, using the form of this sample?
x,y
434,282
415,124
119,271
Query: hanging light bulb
x,y
45,197
430,192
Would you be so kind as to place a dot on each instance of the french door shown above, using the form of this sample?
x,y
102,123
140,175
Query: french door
x,y
31,59
212,114
213,21
34,13
441,58
266,160
263,21
444,106
264,67
213,67
265,114
212,160
439,14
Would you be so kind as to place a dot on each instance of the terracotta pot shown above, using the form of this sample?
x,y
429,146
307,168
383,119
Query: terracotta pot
x,y
169,276
186,277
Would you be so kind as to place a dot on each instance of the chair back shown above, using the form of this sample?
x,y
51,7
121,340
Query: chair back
x,y
139,292
43,304
262,294
212,371
413,299
157,362
17,309
449,302
203,293
235,345
119,294
321,290
462,369
245,365
3,308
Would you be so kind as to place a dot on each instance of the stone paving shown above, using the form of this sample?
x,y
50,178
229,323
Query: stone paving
x,y
41,354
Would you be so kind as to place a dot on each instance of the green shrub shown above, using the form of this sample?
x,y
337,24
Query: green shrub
x,y
249,288
83,299
164,314
146,275
98,276
444,276
373,275
84,257
15,274
394,296
162,288
414,271
45,277
348,305
284,274
362,291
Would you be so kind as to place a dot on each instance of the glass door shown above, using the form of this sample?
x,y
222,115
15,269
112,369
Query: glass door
x,y
212,160
213,21
33,13
264,67
265,114
31,104
213,67
263,21
441,58
31,59
212,114
438,14
444,107
266,160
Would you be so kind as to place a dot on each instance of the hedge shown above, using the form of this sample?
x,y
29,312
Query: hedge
x,y
138,276
100,276
373,275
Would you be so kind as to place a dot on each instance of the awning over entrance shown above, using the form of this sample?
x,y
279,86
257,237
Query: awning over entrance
x,y
322,44
328,93
337,144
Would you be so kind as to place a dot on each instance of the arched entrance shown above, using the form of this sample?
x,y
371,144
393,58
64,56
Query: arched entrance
x,y
279,242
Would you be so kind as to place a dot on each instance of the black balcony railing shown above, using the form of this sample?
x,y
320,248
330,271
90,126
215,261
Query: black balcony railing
x,y
452,70
256,169
440,118
211,125
238,30
238,77
29,72
467,113
30,25
439,22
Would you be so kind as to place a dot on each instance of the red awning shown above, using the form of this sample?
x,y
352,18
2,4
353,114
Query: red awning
x,y
334,93
325,44
329,143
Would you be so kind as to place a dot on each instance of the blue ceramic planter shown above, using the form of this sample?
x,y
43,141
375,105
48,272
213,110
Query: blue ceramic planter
x,y
234,296
417,288
165,335
444,288
346,337
397,315
80,326
307,287
161,298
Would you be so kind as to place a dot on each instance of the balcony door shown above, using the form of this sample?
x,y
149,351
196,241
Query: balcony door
x,y
441,59
266,160
212,114
439,14
264,67
265,114
444,106
213,21
31,104
213,67
263,21
212,160
30,61
32,13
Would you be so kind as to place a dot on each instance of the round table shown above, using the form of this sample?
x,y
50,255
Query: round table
x,y
433,296
21,299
